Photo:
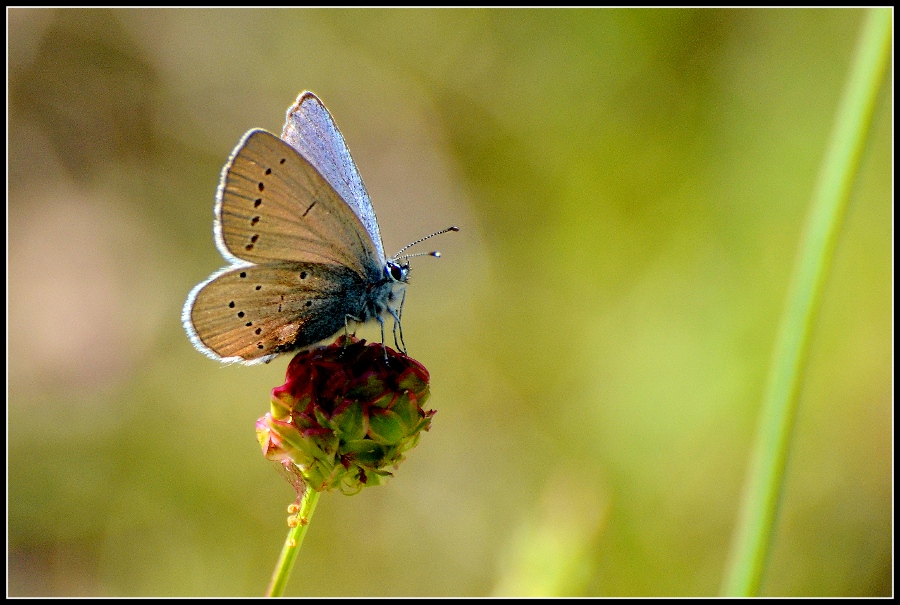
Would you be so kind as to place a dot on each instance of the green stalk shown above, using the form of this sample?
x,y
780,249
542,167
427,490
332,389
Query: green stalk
x,y
753,537
292,544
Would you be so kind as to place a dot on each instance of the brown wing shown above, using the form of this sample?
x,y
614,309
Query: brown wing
x,y
311,130
252,313
273,205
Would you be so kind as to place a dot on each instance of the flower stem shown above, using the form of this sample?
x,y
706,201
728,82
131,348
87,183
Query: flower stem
x,y
753,535
292,544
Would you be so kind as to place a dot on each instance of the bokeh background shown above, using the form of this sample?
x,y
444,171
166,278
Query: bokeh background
x,y
630,187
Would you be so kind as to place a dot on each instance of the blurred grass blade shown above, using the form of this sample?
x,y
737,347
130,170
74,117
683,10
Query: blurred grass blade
x,y
761,492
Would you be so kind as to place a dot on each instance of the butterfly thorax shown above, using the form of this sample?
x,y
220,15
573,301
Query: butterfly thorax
x,y
383,296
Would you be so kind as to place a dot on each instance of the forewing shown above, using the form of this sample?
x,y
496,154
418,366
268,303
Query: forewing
x,y
310,129
273,205
251,313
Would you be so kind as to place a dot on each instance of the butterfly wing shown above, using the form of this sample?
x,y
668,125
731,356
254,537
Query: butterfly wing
x,y
310,129
273,205
250,314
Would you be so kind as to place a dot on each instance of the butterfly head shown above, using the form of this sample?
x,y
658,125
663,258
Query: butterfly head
x,y
396,272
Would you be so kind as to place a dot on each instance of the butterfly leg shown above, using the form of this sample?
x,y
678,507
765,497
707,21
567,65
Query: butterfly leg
x,y
398,328
347,329
383,346
398,325
396,342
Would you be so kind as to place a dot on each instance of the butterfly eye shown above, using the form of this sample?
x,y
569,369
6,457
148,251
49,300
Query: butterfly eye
x,y
396,272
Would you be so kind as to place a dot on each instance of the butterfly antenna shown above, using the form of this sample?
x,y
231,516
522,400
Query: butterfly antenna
x,y
433,253
419,241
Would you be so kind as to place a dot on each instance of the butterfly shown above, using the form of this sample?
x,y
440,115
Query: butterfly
x,y
295,223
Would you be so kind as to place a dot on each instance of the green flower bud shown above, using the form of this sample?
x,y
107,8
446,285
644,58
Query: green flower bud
x,y
345,414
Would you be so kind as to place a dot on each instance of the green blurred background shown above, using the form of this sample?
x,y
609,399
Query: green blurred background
x,y
630,187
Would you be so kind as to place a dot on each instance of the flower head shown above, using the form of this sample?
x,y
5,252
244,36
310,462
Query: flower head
x,y
345,414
